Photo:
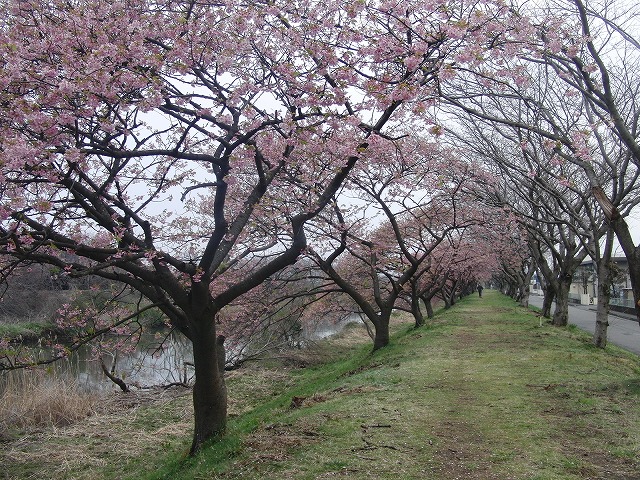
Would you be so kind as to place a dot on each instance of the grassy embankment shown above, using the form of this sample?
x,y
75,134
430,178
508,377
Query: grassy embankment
x,y
487,391
39,320
24,330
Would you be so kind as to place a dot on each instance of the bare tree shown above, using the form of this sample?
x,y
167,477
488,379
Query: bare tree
x,y
578,88
551,200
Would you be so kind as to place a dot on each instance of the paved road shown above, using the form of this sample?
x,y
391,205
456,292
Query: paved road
x,y
623,330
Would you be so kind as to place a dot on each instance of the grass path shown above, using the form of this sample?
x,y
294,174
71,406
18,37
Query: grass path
x,y
485,392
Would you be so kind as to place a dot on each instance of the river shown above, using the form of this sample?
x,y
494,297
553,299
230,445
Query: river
x,y
151,364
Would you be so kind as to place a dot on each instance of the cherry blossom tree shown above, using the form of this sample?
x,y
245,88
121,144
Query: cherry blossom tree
x,y
276,315
551,199
467,258
425,288
516,265
418,197
581,69
475,257
168,145
603,71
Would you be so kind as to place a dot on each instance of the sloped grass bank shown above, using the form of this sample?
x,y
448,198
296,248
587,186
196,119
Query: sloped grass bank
x,y
487,391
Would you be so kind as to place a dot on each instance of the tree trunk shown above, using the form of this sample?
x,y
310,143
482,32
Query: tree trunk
x,y
632,253
634,276
524,295
549,296
602,313
415,310
209,390
428,306
561,313
447,303
111,376
452,297
623,234
604,293
381,324
525,287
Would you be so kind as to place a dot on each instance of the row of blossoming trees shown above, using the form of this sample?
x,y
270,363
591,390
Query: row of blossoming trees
x,y
406,227
191,151
563,134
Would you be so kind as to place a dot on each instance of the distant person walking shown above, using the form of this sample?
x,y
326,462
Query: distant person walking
x,y
479,290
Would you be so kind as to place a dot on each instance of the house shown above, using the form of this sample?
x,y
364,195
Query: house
x,y
584,288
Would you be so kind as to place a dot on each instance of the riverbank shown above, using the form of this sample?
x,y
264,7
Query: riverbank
x,y
27,332
485,392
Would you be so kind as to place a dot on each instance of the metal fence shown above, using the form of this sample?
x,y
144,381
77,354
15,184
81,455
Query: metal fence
x,y
622,302
574,298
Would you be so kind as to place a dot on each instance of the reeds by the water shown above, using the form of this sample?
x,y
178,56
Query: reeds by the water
x,y
38,398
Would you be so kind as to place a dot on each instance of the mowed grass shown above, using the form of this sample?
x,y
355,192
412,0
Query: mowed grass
x,y
486,391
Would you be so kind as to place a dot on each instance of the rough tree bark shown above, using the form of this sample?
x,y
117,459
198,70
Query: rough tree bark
x,y
604,293
381,324
111,376
525,292
428,306
632,253
561,312
209,390
415,307
547,301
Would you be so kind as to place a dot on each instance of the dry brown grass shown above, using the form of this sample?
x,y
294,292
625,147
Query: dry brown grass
x,y
124,428
39,399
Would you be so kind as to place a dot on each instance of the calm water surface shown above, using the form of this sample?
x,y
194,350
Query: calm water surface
x,y
150,364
